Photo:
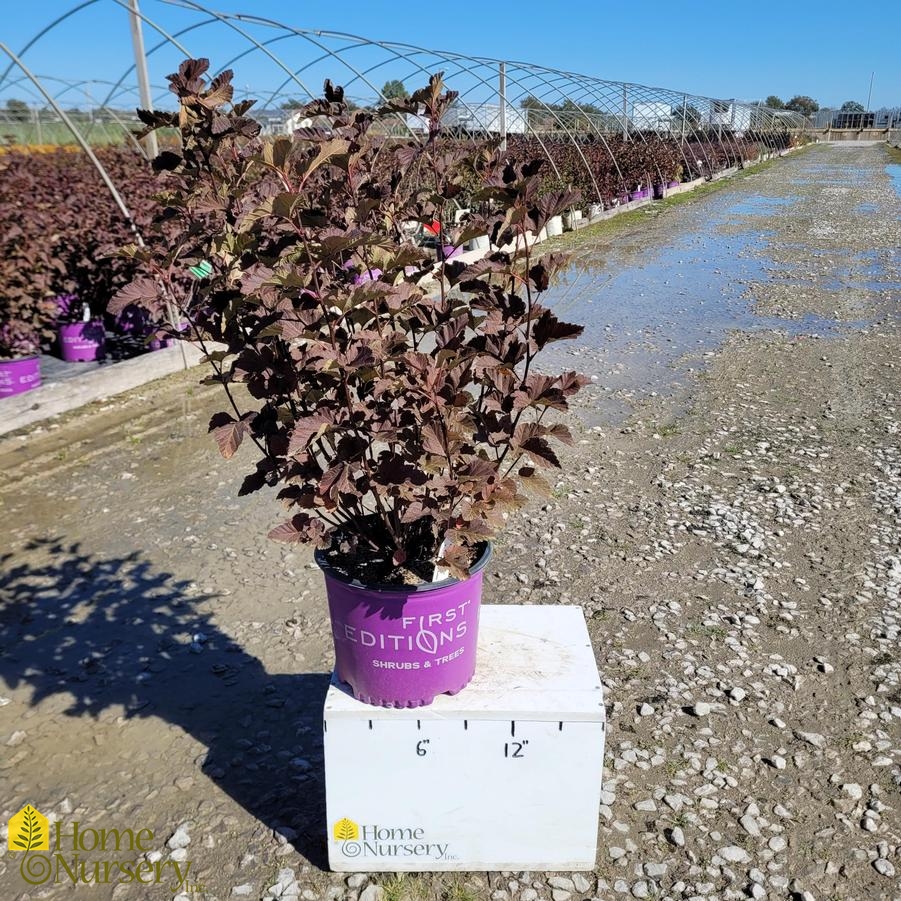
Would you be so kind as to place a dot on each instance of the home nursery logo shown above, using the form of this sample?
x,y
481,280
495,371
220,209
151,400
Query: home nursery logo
x,y
120,855
346,829
29,831
387,841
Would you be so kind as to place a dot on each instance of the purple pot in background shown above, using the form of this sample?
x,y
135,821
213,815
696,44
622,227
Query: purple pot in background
x,y
658,192
400,646
448,251
19,376
369,275
161,341
131,321
82,342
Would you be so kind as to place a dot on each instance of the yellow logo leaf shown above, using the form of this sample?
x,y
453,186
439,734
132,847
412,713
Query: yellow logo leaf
x,y
346,830
29,831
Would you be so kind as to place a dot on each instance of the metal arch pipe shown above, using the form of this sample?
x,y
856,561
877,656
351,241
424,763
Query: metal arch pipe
x,y
45,30
489,61
359,75
445,55
358,41
329,54
226,20
614,112
407,50
542,82
567,131
603,139
674,101
163,43
107,180
74,86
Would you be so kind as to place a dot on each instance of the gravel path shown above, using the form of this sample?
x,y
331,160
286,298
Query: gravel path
x,y
730,519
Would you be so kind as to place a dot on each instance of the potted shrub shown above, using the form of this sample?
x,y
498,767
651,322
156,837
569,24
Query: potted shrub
x,y
20,362
401,427
80,336
26,323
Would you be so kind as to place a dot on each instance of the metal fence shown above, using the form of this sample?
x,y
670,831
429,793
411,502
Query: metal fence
x,y
884,118
578,122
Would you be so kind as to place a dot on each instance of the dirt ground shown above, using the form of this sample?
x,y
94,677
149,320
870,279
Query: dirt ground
x,y
730,521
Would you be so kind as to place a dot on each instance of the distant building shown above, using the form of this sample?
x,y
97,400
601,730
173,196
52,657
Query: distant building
x,y
481,118
730,115
652,117
271,120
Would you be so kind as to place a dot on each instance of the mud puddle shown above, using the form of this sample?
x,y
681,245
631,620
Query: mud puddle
x,y
649,320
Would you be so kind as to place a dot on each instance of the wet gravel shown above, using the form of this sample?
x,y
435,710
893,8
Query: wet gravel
x,y
729,520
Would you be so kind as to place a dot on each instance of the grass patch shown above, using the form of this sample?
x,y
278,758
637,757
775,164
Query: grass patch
x,y
440,887
894,153
404,888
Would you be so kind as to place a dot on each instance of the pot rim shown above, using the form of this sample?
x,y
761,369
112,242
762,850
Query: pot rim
x,y
387,588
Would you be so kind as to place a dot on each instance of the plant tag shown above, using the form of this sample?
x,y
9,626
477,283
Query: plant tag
x,y
202,270
440,573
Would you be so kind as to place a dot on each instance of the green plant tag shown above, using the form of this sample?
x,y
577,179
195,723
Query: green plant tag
x,y
202,270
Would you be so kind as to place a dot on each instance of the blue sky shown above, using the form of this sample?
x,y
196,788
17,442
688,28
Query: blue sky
x,y
824,48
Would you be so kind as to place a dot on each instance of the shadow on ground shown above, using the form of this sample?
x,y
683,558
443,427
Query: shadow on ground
x,y
109,632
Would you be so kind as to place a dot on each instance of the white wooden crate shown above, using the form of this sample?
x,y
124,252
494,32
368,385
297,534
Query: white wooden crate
x,y
505,775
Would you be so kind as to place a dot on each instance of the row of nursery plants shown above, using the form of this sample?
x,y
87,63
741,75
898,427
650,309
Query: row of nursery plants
x,y
618,169
60,236
60,227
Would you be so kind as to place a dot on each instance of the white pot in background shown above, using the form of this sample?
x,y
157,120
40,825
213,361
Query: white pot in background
x,y
554,226
570,219
479,243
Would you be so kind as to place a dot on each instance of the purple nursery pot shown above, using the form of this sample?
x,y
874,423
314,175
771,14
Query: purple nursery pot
x,y
19,376
162,340
672,184
368,275
82,342
658,192
448,251
131,321
400,646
